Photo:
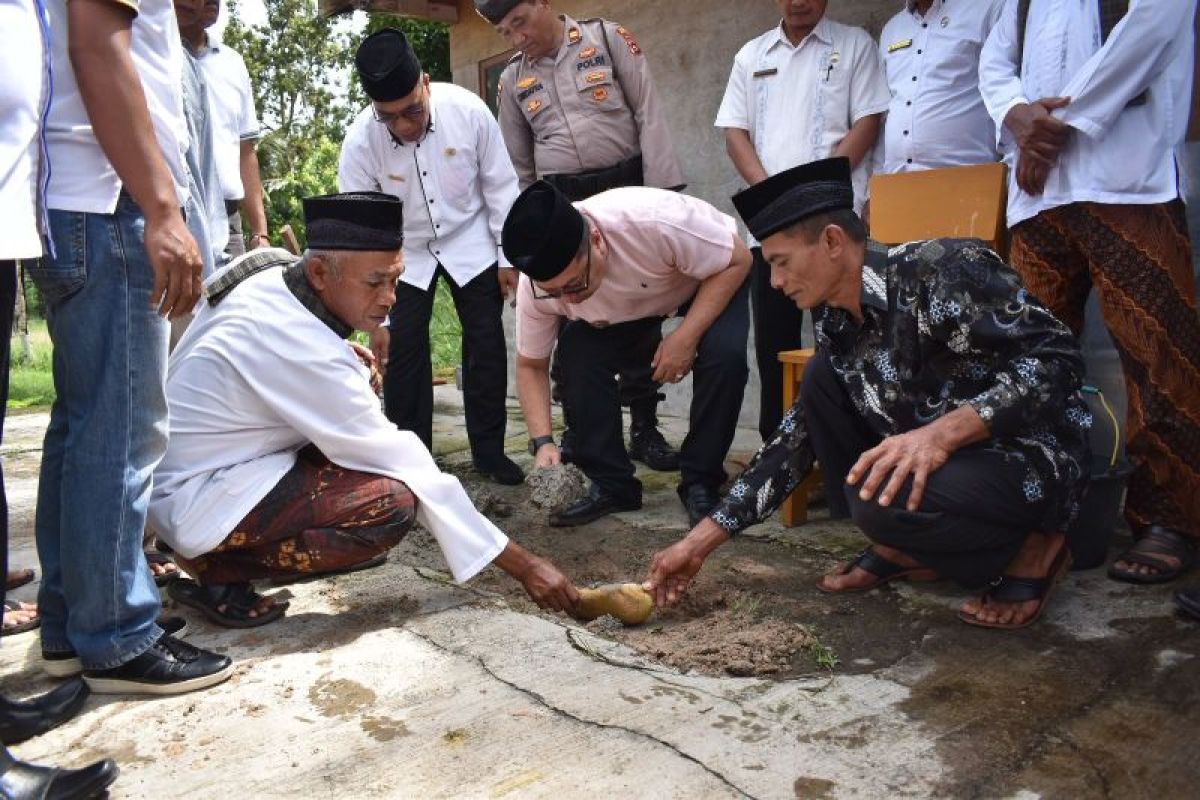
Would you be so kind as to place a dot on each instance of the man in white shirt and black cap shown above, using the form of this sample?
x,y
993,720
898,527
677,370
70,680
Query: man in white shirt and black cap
x,y
1091,99
438,148
292,469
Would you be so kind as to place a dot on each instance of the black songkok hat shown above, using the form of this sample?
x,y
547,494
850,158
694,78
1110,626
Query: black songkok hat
x,y
387,66
795,194
543,232
354,221
494,11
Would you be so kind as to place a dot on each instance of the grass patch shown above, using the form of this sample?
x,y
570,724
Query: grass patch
x,y
30,382
823,655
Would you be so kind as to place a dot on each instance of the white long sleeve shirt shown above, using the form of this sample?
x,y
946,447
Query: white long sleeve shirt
x,y
1118,154
255,379
936,117
24,96
457,184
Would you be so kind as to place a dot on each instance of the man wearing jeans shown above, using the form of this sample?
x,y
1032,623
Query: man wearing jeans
x,y
123,262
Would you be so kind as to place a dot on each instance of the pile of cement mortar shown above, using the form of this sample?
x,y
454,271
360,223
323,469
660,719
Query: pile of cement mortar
x,y
556,487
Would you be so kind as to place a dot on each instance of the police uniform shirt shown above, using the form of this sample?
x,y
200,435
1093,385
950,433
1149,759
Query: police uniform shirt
x,y
936,117
456,184
589,106
24,96
1119,153
799,102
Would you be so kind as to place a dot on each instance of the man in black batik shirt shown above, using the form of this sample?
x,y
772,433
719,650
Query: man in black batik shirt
x,y
943,397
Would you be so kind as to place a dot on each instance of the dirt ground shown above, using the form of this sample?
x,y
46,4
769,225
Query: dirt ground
x,y
1051,706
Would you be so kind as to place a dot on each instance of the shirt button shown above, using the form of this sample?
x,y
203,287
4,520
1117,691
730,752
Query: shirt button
x,y
914,77
920,51
909,161
906,133
909,103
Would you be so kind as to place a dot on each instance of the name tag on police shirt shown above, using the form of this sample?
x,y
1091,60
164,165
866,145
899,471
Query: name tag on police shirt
x,y
901,45
766,73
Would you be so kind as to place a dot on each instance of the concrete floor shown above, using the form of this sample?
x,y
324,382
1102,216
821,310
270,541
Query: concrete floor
x,y
396,683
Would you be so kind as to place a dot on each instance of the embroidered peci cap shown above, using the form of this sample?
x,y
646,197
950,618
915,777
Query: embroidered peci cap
x,y
543,232
387,66
354,221
794,195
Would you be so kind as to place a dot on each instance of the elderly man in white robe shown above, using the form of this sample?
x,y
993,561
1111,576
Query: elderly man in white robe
x,y
281,462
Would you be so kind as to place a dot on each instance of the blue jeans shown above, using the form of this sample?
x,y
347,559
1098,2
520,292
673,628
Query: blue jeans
x,y
108,431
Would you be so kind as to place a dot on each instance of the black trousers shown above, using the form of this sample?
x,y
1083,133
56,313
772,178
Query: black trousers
x,y
408,383
8,300
973,517
592,356
777,323
635,384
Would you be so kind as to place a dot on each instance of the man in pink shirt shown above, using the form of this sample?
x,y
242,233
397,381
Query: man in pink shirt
x,y
612,266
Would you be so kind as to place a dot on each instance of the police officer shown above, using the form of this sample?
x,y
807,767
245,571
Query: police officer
x,y
578,109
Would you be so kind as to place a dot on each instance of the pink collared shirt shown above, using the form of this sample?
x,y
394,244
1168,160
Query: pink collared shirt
x,y
661,245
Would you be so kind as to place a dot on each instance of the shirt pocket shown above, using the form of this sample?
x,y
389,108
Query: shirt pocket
x,y
458,174
598,91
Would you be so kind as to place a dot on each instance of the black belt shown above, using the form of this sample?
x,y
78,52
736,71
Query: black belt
x,y
583,185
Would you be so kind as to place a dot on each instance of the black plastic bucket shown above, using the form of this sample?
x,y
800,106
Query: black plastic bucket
x,y
1092,532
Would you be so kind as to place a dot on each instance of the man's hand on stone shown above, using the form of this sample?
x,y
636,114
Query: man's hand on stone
x,y
916,454
548,587
674,358
1040,135
509,280
547,455
671,572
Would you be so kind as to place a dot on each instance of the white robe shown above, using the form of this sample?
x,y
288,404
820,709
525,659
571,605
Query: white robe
x,y
255,379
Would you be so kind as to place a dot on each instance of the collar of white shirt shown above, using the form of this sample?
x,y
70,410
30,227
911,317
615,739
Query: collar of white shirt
x,y
821,32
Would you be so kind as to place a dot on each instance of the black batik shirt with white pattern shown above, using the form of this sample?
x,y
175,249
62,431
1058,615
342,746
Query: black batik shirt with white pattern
x,y
946,323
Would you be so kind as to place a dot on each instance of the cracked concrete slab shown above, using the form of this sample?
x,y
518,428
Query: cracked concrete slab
x,y
396,683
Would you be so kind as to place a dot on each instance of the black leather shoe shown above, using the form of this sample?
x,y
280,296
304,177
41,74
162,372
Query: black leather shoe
x,y
647,445
501,469
170,666
699,500
23,781
24,719
596,505
68,665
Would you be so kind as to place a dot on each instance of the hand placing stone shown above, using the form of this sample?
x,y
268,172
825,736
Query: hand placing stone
x,y
628,602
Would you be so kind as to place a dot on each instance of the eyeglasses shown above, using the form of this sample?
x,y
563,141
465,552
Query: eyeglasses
x,y
413,113
578,288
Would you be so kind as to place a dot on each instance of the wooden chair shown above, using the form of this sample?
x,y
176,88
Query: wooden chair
x,y
956,202
794,510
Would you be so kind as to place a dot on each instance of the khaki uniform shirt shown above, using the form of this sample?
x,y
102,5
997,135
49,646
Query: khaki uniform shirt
x,y
589,106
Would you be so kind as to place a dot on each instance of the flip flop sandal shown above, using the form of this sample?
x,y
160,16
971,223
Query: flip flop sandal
x,y
370,563
870,561
19,577
162,559
1014,589
1149,551
239,600
18,627
1189,603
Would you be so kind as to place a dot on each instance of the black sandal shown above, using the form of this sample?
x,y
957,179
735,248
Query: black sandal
x,y
1149,551
1189,603
870,561
239,600
1016,589
162,559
